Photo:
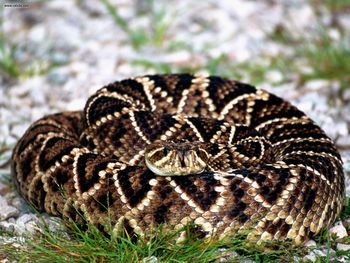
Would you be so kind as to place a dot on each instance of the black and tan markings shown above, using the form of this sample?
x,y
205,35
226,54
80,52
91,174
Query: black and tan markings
x,y
269,167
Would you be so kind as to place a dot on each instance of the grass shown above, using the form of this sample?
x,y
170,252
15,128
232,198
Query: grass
x,y
87,243
346,210
153,34
329,241
328,59
252,72
8,64
325,56
333,5
148,64
91,245
11,68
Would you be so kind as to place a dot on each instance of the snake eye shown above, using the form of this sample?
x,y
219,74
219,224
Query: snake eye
x,y
165,151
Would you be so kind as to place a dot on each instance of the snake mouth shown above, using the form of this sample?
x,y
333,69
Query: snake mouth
x,y
176,158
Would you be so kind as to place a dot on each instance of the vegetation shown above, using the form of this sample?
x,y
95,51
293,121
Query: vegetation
x,y
92,245
8,64
86,243
11,68
139,37
322,54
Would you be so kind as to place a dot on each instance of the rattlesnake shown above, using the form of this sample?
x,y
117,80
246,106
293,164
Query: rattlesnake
x,y
219,153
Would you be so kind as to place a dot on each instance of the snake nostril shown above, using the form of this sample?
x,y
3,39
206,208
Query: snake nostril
x,y
181,155
165,151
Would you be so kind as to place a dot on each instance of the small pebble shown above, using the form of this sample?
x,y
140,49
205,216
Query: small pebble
x,y
7,211
344,20
343,247
76,104
344,141
339,230
25,223
274,76
58,76
317,84
7,227
227,256
151,259
310,243
314,254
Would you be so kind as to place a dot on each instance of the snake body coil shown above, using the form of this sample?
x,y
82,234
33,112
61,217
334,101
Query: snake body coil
x,y
242,159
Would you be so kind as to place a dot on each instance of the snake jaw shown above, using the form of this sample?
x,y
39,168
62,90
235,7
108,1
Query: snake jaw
x,y
176,158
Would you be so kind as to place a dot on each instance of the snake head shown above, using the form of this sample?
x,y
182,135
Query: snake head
x,y
176,158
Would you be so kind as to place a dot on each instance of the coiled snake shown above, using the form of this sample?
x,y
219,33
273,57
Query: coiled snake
x,y
179,148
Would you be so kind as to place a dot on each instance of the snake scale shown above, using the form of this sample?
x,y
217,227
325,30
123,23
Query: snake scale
x,y
180,148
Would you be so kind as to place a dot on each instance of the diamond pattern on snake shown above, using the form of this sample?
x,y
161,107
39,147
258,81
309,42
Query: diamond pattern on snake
x,y
180,148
